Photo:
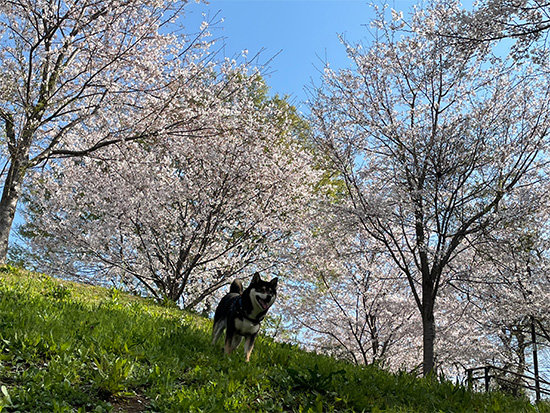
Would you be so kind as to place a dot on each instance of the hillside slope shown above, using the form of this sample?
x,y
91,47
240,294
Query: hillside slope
x,y
68,347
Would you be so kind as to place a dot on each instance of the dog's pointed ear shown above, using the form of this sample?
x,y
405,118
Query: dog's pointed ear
x,y
256,278
273,282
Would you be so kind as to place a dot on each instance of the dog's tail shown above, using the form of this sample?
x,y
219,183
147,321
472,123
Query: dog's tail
x,y
236,286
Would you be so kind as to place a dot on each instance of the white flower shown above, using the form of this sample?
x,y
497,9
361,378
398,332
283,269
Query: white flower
x,y
396,15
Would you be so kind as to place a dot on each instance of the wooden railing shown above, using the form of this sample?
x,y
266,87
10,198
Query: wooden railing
x,y
533,383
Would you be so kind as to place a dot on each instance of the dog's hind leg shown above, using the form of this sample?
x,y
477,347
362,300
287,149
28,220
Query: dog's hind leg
x,y
217,331
231,343
248,346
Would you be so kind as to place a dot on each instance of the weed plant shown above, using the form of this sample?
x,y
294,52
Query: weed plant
x,y
67,347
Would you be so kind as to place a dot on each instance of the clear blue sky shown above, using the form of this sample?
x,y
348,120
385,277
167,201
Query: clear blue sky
x,y
301,33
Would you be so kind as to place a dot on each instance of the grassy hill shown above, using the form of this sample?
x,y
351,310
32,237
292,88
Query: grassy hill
x,y
67,347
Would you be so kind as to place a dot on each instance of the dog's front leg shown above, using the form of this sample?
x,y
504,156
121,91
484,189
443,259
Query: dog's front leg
x,y
248,346
231,343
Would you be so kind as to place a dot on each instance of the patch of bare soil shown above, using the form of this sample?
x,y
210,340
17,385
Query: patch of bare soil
x,y
130,404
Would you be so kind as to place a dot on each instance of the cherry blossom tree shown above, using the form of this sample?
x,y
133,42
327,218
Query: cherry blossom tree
x,y
432,142
514,302
351,302
524,22
181,215
346,302
96,65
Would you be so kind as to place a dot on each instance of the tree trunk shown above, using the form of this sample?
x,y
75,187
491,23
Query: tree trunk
x,y
518,383
8,204
428,330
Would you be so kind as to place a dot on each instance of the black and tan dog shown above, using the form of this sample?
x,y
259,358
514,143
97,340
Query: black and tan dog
x,y
241,312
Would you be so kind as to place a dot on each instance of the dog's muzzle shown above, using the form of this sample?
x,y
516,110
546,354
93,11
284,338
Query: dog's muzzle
x,y
264,303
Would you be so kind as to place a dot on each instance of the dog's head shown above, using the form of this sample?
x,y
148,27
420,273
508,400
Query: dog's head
x,y
262,293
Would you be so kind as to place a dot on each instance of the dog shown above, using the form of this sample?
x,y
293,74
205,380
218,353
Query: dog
x,y
241,312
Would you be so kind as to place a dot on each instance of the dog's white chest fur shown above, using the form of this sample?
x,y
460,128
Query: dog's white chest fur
x,y
246,327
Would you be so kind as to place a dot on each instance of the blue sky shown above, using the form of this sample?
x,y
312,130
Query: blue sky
x,y
301,34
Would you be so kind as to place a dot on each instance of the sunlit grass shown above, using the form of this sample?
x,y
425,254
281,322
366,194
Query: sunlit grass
x,y
70,347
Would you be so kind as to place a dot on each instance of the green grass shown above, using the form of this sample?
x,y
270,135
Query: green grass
x,y
67,347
